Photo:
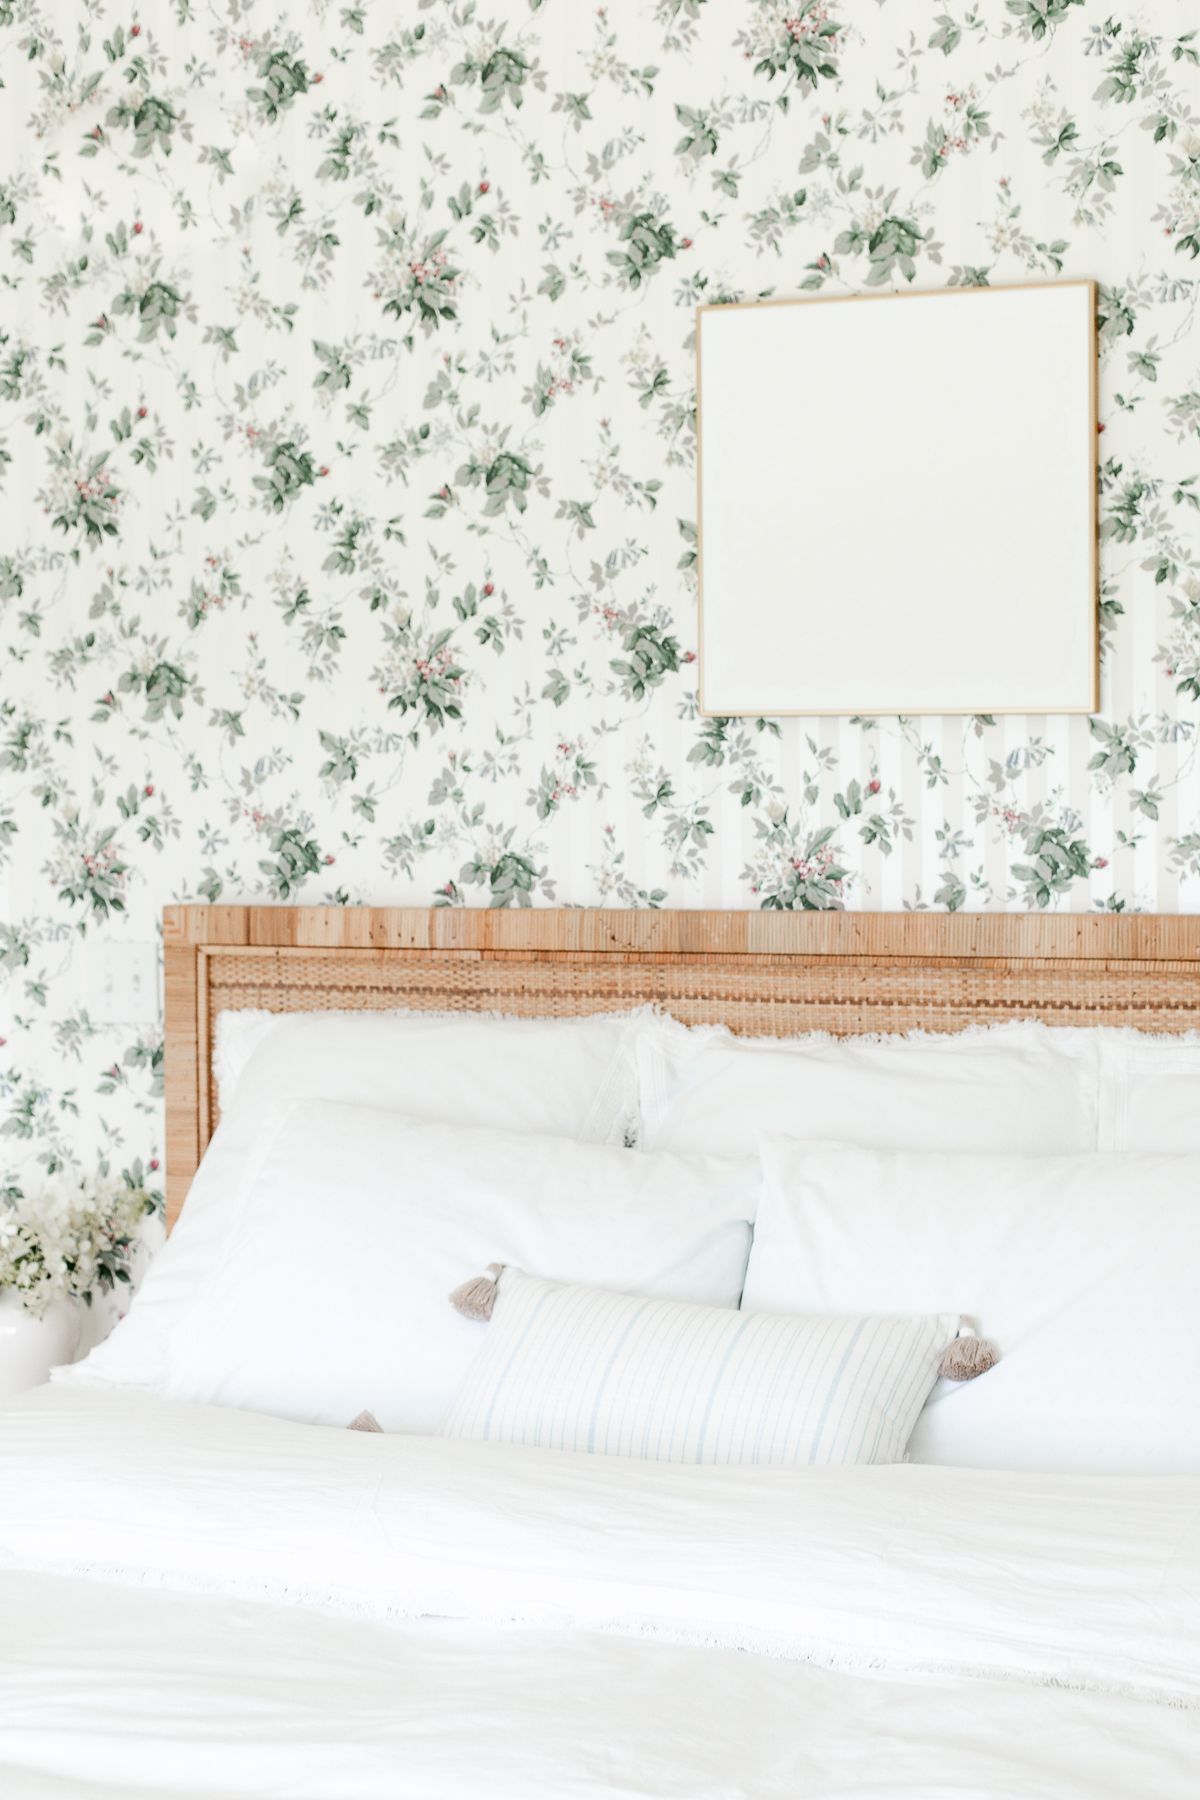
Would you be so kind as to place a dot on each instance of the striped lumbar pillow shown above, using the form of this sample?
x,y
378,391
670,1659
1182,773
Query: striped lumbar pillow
x,y
577,1368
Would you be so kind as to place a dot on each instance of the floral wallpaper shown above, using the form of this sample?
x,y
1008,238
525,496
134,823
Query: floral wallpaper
x,y
347,450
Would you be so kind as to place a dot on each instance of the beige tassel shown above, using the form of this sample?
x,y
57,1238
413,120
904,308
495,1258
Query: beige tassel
x,y
476,1298
967,1356
366,1421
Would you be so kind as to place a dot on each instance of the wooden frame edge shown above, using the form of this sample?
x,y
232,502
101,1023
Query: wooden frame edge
x,y
641,931
181,1082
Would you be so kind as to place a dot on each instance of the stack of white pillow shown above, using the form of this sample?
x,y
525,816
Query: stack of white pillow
x,y
860,1201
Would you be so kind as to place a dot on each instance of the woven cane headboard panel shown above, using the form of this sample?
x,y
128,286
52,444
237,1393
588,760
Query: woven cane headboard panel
x,y
765,973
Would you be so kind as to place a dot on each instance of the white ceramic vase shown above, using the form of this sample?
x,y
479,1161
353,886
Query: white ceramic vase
x,y
31,1346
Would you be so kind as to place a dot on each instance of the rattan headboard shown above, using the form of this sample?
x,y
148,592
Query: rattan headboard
x,y
769,973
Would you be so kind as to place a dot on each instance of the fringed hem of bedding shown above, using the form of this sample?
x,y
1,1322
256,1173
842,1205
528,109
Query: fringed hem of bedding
x,y
836,1658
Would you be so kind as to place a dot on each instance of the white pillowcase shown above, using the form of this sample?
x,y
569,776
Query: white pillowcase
x,y
1082,1269
577,1368
574,1077
563,1077
237,1034
1013,1087
1149,1092
353,1224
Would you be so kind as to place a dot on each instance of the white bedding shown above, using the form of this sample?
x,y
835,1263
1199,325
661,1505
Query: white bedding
x,y
160,1695
199,1602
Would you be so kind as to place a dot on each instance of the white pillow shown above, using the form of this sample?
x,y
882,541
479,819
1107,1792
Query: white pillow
x,y
577,1368
236,1036
1149,1092
1013,1087
573,1077
563,1077
1082,1269
353,1224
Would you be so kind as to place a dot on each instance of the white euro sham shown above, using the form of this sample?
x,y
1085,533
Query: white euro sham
x,y
1082,1269
572,1077
569,1078
1149,1092
353,1223
1010,1087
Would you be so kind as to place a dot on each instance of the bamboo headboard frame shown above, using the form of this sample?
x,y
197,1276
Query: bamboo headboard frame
x,y
757,972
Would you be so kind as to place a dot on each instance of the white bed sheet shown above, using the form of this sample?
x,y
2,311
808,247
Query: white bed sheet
x,y
183,1697
207,1604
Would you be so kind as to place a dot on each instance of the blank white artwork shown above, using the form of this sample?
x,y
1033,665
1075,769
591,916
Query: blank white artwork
x,y
897,504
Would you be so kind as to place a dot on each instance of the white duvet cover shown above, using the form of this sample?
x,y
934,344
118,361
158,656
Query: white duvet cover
x,y
205,1603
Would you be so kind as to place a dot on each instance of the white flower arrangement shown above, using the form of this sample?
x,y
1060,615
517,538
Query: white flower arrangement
x,y
72,1241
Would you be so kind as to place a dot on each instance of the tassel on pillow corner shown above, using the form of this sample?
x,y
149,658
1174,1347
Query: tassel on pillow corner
x,y
967,1355
475,1299
364,1421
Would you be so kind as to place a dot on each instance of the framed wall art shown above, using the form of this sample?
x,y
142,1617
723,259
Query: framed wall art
x,y
897,503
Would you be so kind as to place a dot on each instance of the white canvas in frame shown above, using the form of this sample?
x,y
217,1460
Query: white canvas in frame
x,y
897,503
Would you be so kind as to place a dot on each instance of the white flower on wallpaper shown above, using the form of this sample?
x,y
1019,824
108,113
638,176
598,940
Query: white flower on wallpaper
x,y
347,442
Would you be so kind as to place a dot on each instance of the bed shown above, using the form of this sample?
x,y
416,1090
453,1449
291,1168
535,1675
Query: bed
x,y
205,1601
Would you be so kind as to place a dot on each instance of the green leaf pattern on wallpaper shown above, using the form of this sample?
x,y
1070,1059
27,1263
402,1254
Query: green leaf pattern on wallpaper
x,y
347,442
